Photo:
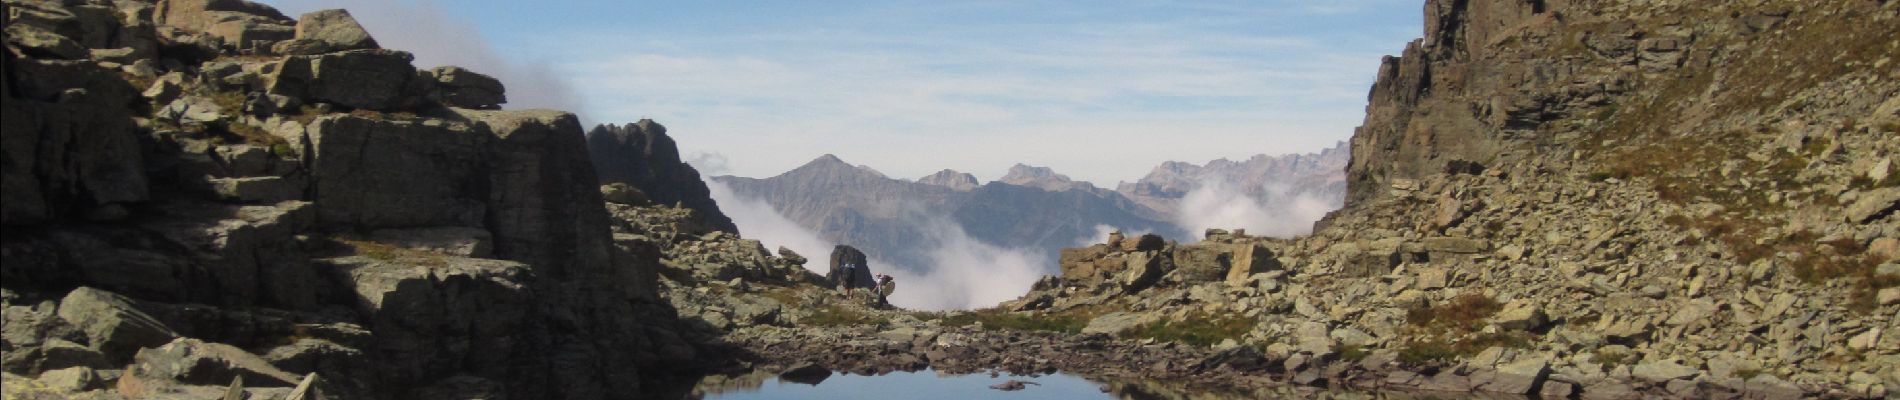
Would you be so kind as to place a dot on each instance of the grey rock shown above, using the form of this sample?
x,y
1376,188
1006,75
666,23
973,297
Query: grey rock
x,y
1873,205
327,31
460,87
1519,377
197,362
1455,245
71,380
193,110
1663,370
112,324
1521,314
1112,323
368,79
622,193
40,43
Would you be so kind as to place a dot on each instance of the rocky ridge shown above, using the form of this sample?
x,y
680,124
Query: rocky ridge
x,y
1577,199
205,191
642,155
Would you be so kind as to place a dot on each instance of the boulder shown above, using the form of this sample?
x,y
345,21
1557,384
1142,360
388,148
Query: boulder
x,y
1201,262
327,31
1523,376
239,23
1249,259
112,324
40,43
1145,242
369,79
1873,205
71,380
1663,370
1520,315
1142,270
460,87
1112,323
196,362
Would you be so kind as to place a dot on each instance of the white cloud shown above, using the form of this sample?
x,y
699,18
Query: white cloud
x,y
962,272
1280,211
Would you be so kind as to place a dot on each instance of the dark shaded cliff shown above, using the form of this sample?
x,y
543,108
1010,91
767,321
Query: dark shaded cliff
x,y
642,155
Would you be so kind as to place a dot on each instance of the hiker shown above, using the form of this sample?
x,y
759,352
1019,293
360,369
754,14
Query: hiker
x,y
884,288
847,266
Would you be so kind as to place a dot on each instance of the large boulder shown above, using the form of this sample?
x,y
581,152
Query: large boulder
x,y
327,31
460,87
1249,259
196,362
372,79
111,323
239,23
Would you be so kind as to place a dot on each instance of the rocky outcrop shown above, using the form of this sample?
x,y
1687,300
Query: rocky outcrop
x,y
642,155
331,211
1579,199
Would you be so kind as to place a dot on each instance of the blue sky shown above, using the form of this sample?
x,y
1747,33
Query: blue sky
x,y
1101,91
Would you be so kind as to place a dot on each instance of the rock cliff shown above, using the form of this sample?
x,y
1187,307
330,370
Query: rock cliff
x,y
642,155
201,190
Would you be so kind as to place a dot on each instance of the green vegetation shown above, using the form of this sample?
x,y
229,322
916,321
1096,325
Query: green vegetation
x,y
835,315
1197,329
391,254
1463,313
1071,321
1436,349
1351,353
1609,359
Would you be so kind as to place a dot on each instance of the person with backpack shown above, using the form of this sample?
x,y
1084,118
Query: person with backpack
x,y
850,270
884,288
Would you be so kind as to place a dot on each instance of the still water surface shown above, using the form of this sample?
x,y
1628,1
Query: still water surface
x,y
929,384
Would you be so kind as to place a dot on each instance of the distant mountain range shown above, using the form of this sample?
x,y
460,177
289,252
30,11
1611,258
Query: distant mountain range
x,y
1029,207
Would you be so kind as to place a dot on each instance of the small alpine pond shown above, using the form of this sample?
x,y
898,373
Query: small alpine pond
x,y
928,385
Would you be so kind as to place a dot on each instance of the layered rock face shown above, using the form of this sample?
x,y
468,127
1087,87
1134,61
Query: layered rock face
x,y
642,155
200,191
1610,199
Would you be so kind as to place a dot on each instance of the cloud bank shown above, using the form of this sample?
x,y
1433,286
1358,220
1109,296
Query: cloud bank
x,y
962,272
1279,210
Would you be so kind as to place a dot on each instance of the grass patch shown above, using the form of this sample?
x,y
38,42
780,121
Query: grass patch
x,y
1608,359
1352,353
834,315
1442,349
1197,329
392,254
1070,322
1464,313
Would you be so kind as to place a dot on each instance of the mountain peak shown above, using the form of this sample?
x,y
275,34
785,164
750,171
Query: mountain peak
x,y
950,178
1041,177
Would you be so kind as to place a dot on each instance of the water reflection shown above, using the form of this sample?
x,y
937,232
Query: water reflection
x,y
927,384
